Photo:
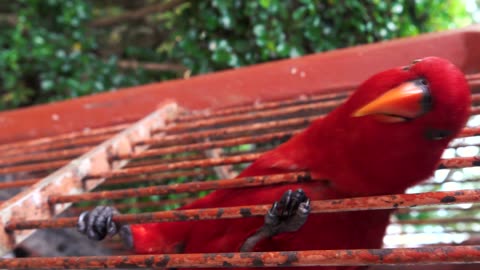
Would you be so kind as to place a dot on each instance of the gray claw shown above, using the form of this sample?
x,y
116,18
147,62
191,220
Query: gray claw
x,y
287,215
98,223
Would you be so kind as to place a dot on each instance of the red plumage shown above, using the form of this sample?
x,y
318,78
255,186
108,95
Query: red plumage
x,y
360,156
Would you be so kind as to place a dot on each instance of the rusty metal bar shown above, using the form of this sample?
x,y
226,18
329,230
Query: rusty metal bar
x,y
234,131
246,117
64,137
185,126
36,167
183,187
475,83
473,76
33,203
125,206
220,120
57,145
268,105
221,112
154,177
211,144
459,162
475,110
321,206
446,163
354,257
183,138
178,166
51,155
19,183
469,132
160,160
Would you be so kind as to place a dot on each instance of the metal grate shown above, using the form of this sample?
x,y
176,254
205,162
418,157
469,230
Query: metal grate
x,y
171,157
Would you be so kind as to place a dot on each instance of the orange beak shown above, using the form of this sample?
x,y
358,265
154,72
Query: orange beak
x,y
405,102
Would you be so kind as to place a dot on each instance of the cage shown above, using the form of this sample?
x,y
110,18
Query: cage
x,y
152,148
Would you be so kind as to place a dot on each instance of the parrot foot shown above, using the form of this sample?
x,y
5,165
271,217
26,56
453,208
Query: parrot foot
x,y
287,215
98,223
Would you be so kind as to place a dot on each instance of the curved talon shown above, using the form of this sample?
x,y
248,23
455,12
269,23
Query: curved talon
x,y
287,215
98,223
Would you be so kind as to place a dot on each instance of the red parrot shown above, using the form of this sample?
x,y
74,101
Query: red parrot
x,y
388,136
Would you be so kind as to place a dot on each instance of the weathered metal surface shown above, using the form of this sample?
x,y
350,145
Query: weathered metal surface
x,y
211,144
357,257
36,167
157,178
317,73
182,187
50,155
459,162
64,137
141,205
260,106
470,132
229,132
325,206
82,141
232,119
33,203
209,162
19,183
162,160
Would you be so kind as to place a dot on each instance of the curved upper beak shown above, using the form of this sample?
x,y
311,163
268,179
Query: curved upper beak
x,y
407,101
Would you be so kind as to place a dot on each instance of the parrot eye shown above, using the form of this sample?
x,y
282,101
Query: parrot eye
x,y
426,101
437,134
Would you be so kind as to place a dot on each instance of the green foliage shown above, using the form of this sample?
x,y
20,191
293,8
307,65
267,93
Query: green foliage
x,y
52,52
49,55
222,34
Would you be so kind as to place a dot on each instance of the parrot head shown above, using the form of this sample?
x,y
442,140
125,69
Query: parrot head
x,y
401,120
430,94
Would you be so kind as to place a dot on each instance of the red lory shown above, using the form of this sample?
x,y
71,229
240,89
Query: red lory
x,y
388,136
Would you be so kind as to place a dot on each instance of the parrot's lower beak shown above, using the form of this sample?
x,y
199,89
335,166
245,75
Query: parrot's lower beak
x,y
405,102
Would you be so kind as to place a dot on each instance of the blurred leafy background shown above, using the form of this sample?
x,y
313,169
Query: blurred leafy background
x,y
56,49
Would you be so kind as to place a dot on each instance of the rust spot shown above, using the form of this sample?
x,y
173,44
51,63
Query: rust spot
x,y
229,255
245,212
291,258
337,202
441,166
126,263
149,261
227,264
448,199
181,216
381,253
219,212
257,262
163,262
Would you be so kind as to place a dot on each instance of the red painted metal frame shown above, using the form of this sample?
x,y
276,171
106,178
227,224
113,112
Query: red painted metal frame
x,y
34,203
324,72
